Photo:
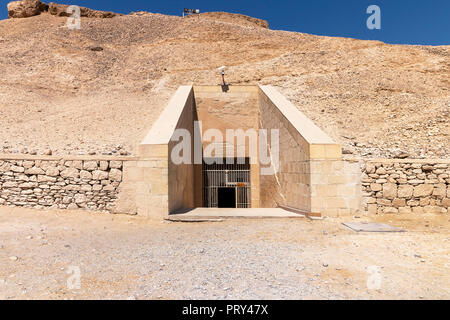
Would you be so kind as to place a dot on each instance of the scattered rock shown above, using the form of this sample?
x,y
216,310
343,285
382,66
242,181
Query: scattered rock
x,y
72,206
95,48
346,151
401,155
25,8
61,11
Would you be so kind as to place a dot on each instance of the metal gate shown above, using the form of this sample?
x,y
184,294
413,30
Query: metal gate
x,y
219,174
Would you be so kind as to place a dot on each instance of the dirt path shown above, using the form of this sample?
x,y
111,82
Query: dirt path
x,y
122,257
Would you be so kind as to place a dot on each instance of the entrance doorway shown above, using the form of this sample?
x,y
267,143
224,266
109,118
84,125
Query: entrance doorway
x,y
226,183
226,197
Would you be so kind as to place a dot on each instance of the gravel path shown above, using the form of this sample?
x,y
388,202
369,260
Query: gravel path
x,y
121,257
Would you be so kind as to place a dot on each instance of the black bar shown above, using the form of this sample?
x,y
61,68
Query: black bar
x,y
225,309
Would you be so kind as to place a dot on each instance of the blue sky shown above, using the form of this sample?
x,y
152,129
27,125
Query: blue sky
x,y
402,21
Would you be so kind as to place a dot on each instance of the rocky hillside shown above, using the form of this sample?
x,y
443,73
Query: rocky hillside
x,y
234,18
99,89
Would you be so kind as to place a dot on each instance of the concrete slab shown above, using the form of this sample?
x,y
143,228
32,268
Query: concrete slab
x,y
223,213
371,227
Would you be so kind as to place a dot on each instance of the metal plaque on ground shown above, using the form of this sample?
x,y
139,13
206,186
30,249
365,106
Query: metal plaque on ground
x,y
371,227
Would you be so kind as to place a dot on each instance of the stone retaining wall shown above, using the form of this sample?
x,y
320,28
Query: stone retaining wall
x,y
387,185
405,186
59,183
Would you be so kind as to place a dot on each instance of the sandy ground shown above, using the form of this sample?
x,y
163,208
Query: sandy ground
x,y
124,257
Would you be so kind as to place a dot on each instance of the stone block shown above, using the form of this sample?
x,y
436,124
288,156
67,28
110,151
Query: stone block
x,y
17,169
70,173
103,165
335,202
115,175
389,190
424,201
52,171
423,190
372,208
85,175
375,187
34,170
397,202
384,202
405,191
390,210
446,202
325,190
99,175
90,165
346,191
440,191
154,151
115,164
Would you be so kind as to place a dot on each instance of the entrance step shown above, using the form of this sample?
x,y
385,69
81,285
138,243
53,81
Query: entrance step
x,y
227,213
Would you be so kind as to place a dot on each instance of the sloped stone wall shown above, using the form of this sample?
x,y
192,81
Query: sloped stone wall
x,y
60,184
405,186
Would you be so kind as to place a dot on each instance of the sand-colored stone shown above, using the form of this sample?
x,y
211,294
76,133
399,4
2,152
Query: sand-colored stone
x,y
405,191
423,190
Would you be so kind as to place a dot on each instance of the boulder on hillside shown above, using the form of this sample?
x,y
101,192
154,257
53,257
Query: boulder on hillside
x,y
29,8
25,8
60,10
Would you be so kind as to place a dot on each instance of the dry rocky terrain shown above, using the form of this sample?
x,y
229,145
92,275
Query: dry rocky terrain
x,y
123,257
97,90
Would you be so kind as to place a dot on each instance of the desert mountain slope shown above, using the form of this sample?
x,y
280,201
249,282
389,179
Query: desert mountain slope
x,y
100,88
234,18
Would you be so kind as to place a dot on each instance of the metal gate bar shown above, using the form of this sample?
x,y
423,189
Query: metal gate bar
x,y
222,174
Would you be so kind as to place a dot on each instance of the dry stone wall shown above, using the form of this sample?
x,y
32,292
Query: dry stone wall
x,y
60,184
418,186
388,185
